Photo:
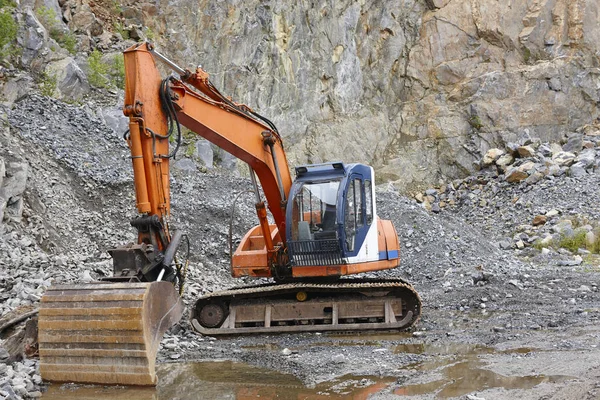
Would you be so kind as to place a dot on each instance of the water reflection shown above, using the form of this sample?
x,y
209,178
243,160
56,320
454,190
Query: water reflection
x,y
225,380
462,370
458,369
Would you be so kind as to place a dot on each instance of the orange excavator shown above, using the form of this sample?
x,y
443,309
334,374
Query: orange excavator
x,y
325,228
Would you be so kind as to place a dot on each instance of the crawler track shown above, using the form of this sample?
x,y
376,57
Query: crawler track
x,y
347,305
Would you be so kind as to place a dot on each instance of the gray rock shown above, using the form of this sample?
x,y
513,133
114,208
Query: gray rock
x,y
204,152
545,150
339,359
32,39
505,245
563,158
113,118
185,165
16,88
72,83
525,151
577,260
577,170
11,395
586,159
515,175
534,178
574,144
85,21
555,84
4,355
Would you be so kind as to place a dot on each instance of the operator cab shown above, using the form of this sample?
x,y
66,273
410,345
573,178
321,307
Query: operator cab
x,y
330,214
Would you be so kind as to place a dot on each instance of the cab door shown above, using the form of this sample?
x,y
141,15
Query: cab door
x,y
358,216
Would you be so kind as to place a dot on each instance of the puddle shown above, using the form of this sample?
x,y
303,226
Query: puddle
x,y
456,349
225,380
457,368
372,337
468,376
463,371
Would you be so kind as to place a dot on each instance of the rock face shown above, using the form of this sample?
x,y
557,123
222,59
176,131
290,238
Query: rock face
x,y
418,89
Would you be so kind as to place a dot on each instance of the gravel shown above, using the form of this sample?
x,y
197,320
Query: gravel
x,y
473,262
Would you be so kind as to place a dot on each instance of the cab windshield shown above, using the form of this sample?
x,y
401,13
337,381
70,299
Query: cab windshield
x,y
314,211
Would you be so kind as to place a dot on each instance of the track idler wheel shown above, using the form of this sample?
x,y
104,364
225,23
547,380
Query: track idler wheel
x,y
211,314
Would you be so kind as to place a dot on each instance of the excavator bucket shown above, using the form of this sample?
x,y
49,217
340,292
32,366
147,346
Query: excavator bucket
x,y
105,333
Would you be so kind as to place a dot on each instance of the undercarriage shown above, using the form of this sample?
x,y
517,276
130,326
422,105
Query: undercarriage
x,y
347,305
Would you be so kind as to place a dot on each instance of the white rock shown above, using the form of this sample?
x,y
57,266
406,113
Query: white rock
x,y
286,352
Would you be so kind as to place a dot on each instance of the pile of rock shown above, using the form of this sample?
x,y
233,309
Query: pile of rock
x,y
533,198
19,379
525,163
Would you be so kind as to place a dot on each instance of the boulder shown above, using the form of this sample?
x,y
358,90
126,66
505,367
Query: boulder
x,y
504,161
525,151
563,158
527,167
515,175
15,88
85,21
32,38
491,155
72,83
587,158
577,170
534,178
574,144
114,119
185,165
204,152
555,148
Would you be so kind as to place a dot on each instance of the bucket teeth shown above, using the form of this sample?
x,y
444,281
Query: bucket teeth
x,y
105,333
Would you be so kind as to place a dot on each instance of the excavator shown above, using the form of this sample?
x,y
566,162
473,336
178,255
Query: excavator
x,y
323,226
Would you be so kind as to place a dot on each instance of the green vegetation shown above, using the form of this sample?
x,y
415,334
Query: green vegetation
x,y
190,149
475,122
526,55
116,7
120,29
150,35
98,73
66,39
8,32
574,242
7,3
47,84
103,74
117,72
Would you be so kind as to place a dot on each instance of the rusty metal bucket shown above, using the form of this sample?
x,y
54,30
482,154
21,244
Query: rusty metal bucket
x,y
105,333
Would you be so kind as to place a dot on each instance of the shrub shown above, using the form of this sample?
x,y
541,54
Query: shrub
x,y
98,70
117,73
120,29
572,243
47,84
7,3
8,31
66,39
